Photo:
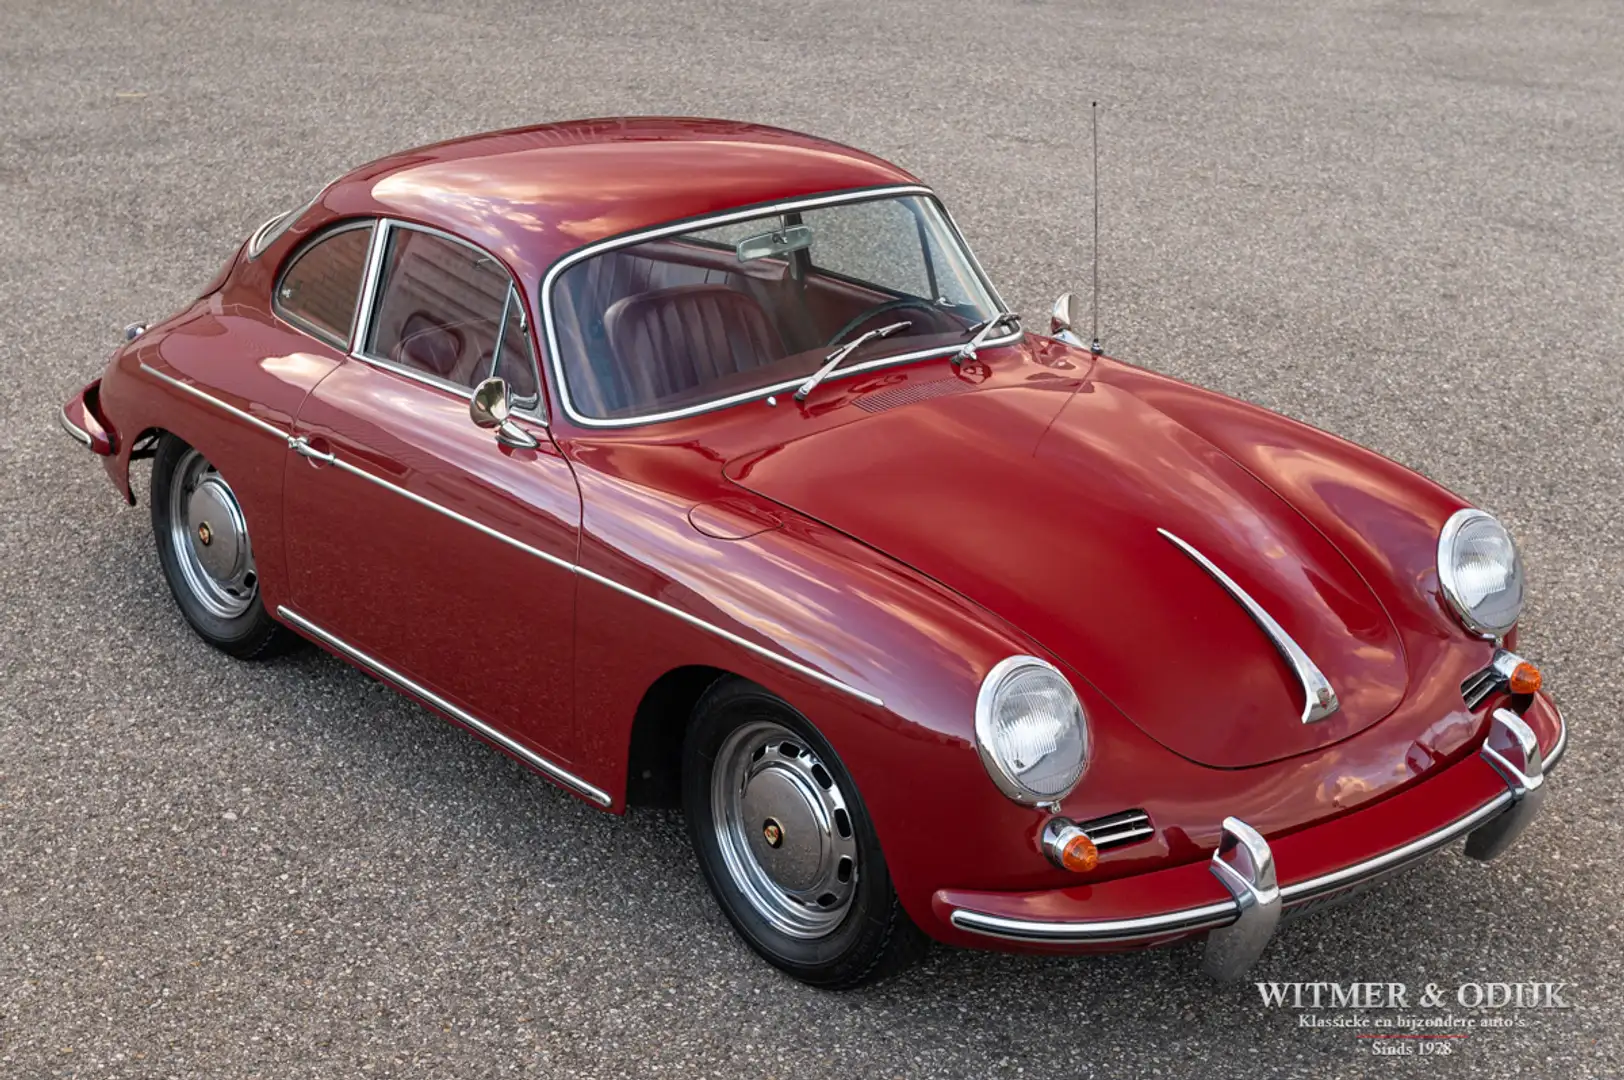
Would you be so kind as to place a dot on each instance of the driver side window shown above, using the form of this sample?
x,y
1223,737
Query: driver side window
x,y
440,308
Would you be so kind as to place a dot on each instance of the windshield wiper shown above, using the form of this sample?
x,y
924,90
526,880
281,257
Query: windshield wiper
x,y
983,331
834,359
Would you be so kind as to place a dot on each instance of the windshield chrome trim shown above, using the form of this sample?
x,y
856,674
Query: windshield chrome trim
x,y
1319,697
556,362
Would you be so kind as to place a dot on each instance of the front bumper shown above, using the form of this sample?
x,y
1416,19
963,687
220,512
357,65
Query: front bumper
x,y
80,418
1236,899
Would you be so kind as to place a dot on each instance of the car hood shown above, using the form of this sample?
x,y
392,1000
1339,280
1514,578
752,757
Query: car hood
x,y
1040,499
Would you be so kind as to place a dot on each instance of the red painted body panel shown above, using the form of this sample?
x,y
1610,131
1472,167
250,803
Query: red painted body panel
x,y
531,195
229,345
1040,499
1447,796
901,553
477,620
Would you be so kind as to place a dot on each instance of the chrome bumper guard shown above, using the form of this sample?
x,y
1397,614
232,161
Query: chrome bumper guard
x,y
1241,927
1513,750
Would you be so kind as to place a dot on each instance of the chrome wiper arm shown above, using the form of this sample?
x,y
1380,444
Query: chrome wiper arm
x,y
836,358
983,331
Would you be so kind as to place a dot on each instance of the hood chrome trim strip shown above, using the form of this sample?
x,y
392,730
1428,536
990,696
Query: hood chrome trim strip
x,y
1319,697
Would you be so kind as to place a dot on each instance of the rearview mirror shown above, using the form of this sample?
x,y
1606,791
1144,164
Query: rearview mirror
x,y
777,242
490,408
1060,320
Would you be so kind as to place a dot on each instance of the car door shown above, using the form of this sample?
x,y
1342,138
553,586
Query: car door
x,y
417,544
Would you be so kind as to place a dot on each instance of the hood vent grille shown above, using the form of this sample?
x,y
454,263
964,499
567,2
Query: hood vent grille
x,y
908,393
1115,830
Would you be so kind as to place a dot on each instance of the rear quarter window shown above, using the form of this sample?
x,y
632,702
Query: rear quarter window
x,y
320,286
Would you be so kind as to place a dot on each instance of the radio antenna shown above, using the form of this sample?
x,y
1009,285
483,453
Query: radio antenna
x,y
1094,115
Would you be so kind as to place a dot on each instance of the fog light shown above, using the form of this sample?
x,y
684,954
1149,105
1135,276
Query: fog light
x,y
1525,679
1069,847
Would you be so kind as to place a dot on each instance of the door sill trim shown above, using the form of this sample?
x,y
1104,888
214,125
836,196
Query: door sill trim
x,y
457,713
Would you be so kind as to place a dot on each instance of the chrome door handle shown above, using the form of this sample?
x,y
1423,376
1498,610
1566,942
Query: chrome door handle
x,y
301,446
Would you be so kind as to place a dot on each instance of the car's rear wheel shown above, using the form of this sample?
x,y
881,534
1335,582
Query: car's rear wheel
x,y
206,555
786,844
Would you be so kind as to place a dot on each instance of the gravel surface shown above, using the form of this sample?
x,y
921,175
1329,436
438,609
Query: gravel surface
x,y
1401,222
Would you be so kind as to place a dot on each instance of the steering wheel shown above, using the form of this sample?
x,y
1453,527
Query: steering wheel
x,y
880,309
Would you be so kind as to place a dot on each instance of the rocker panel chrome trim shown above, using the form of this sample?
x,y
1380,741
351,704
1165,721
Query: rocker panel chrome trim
x,y
1319,697
462,716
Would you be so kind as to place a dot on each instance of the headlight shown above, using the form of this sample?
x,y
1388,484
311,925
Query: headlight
x,y
1480,572
1030,730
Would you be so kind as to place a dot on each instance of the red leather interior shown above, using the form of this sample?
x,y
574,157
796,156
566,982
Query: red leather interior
x,y
670,340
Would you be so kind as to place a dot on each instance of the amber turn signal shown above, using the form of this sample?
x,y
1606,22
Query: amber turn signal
x,y
1069,847
1079,855
1525,679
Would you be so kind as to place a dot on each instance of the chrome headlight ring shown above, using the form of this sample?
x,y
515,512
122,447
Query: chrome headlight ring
x,y
1031,731
1480,573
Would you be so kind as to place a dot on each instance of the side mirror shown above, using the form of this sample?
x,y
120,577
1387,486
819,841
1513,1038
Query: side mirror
x,y
490,408
1060,320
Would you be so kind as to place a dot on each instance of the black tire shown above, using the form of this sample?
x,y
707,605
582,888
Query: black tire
x,y
874,937
247,634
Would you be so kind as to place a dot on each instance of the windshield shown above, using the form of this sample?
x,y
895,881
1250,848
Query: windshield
x,y
704,317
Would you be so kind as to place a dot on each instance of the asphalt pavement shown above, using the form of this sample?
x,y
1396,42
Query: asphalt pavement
x,y
1402,222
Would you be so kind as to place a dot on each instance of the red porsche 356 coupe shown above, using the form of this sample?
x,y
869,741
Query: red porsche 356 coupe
x,y
699,462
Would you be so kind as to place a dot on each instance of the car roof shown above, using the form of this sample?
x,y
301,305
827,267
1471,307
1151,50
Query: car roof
x,y
531,195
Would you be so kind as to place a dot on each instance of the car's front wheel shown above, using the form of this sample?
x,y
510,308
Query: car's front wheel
x,y
785,842
204,549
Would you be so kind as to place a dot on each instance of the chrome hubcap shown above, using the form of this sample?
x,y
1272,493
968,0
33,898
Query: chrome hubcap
x,y
210,538
784,830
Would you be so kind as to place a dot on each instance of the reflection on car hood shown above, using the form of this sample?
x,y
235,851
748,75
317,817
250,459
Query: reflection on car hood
x,y
1042,505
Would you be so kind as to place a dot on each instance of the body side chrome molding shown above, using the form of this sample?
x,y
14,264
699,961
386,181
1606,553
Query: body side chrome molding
x,y
299,445
607,582
248,418
339,463
709,221
462,716
1318,694
727,635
